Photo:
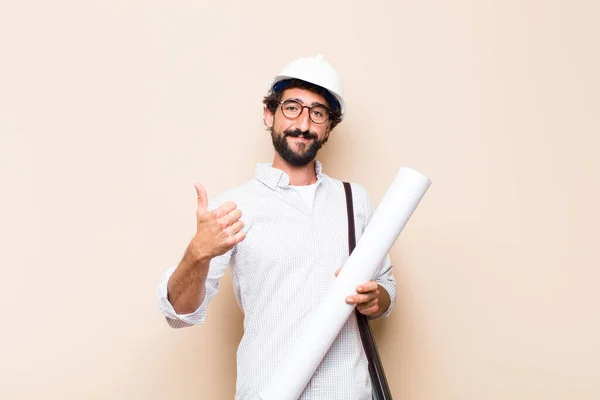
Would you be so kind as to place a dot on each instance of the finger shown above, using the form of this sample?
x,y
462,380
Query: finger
x,y
236,227
225,208
238,237
337,272
202,198
370,311
368,304
367,287
362,298
232,217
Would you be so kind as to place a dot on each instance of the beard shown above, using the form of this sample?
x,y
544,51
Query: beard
x,y
293,157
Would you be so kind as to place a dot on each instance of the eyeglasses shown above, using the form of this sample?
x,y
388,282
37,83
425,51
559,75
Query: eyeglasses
x,y
319,114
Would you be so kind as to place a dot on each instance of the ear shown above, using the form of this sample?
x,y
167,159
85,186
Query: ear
x,y
328,130
268,117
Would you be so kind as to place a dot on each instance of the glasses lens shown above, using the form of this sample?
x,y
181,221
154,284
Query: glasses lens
x,y
319,114
291,108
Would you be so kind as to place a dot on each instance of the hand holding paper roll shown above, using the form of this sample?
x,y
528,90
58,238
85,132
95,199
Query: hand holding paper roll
x,y
394,211
370,299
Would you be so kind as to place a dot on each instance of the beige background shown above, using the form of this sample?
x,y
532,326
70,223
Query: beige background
x,y
110,110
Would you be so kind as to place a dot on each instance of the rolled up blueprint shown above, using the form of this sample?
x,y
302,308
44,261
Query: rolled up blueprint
x,y
394,211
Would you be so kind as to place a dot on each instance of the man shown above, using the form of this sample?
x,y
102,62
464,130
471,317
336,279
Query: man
x,y
286,250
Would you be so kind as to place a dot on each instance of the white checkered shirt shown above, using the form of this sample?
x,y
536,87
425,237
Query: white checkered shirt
x,y
280,273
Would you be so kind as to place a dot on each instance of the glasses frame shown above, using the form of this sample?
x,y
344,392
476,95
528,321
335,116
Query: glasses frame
x,y
329,112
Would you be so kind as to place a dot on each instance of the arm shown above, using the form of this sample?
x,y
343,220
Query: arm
x,y
184,290
384,302
387,286
187,286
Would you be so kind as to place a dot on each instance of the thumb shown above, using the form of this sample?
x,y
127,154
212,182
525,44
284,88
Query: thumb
x,y
202,198
337,272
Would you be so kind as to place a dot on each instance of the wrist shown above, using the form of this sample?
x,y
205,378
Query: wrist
x,y
197,254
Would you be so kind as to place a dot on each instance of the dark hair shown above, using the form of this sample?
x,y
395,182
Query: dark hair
x,y
272,100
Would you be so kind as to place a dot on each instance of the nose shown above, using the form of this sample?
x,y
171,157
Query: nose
x,y
303,120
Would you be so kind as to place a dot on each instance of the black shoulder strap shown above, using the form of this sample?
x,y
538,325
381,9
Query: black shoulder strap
x,y
350,210
381,390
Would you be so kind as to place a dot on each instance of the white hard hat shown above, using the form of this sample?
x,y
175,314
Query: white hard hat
x,y
317,71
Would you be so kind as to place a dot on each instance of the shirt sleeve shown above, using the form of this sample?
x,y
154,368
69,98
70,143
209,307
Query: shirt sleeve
x,y
216,270
384,277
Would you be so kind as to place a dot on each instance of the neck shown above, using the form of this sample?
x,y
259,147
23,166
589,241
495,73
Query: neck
x,y
299,176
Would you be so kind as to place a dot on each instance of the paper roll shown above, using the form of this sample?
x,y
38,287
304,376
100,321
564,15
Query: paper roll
x,y
394,211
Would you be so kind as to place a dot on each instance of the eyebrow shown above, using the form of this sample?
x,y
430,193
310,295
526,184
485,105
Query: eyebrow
x,y
315,103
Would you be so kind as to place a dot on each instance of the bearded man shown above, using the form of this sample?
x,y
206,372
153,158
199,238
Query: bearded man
x,y
284,235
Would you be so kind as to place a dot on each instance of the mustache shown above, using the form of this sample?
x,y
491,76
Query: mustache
x,y
299,133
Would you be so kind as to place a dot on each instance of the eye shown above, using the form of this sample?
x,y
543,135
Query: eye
x,y
318,113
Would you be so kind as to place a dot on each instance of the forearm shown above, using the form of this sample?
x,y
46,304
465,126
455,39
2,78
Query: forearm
x,y
186,287
383,302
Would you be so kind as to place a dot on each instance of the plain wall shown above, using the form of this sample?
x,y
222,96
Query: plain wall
x,y
111,110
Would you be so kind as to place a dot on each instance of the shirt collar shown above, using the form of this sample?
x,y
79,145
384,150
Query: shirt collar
x,y
273,177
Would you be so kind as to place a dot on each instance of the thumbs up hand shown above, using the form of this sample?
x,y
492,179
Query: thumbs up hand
x,y
217,231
